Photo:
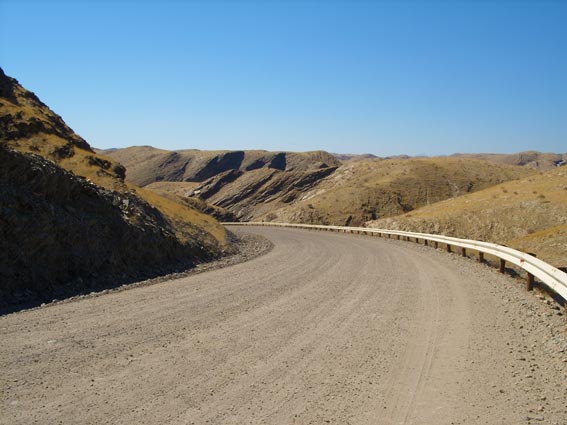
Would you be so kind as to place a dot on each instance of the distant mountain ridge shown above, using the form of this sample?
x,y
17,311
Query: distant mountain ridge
x,y
312,187
243,182
147,165
533,159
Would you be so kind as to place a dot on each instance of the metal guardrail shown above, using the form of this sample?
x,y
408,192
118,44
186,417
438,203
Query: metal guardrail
x,y
552,277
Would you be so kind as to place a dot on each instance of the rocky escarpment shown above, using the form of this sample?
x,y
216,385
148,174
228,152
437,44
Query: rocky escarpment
x,y
251,194
147,165
246,183
61,234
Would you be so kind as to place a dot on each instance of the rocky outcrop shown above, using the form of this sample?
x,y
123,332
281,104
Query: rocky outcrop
x,y
147,165
61,235
246,194
69,222
24,115
28,125
245,183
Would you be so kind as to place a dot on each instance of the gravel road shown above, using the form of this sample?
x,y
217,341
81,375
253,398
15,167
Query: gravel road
x,y
324,328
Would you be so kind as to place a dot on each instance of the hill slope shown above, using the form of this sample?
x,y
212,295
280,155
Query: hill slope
x,y
147,165
533,159
61,234
529,214
370,189
312,187
246,183
29,126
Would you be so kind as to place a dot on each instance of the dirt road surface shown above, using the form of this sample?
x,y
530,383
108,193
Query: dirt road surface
x,y
325,328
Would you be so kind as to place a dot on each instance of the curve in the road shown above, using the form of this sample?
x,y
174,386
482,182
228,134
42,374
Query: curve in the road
x,y
326,328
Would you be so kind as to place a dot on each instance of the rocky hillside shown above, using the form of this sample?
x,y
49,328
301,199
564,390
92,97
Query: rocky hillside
x,y
246,183
62,234
154,232
529,214
147,165
28,125
311,187
366,190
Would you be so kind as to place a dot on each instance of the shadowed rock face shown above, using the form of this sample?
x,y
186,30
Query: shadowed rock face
x,y
147,165
243,182
60,234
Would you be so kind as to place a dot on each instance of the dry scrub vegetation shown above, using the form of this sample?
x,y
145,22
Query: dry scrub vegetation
x,y
28,125
370,189
529,214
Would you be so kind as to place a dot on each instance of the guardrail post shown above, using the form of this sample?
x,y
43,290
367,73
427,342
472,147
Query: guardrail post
x,y
530,277
480,257
464,252
564,270
530,282
448,248
436,244
425,243
502,267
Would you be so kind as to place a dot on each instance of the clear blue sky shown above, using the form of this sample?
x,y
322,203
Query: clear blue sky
x,y
386,77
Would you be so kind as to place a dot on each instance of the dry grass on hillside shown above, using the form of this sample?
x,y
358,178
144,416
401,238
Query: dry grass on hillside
x,y
369,189
97,168
71,152
541,161
177,188
529,214
188,221
92,166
